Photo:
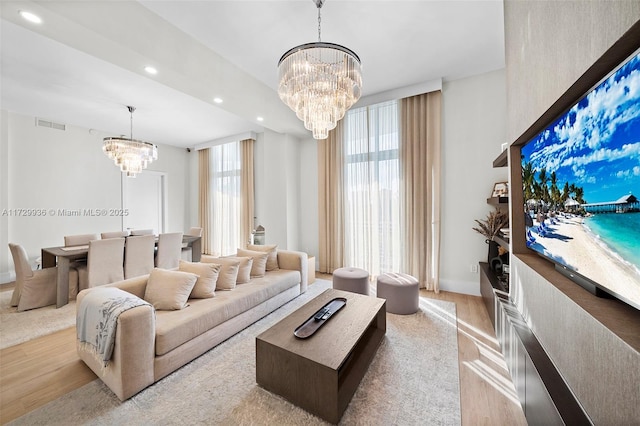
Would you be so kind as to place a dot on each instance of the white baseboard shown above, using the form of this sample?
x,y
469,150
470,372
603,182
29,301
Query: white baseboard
x,y
465,287
7,277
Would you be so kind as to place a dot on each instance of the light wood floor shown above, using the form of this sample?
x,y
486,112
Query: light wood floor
x,y
41,370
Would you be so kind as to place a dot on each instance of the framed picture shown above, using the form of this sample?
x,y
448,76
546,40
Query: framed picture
x,y
500,189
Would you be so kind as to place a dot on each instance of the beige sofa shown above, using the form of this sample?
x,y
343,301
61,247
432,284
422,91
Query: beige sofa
x,y
150,344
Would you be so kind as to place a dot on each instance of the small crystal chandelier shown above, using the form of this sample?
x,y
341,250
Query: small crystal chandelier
x,y
132,156
320,82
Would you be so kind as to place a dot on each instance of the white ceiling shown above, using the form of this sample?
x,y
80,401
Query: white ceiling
x,y
85,62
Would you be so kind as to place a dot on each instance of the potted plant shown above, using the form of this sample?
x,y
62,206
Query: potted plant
x,y
490,227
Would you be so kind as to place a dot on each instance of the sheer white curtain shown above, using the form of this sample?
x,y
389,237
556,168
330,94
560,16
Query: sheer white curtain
x,y
372,208
226,199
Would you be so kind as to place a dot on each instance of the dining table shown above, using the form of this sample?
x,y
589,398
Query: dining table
x,y
61,257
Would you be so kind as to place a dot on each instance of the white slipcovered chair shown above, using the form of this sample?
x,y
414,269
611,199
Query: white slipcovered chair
x,y
139,254
137,232
36,289
114,234
76,265
169,250
186,250
104,263
80,239
195,232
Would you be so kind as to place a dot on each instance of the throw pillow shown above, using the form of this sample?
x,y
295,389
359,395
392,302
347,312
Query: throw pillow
x,y
272,260
259,266
169,290
228,271
207,277
244,271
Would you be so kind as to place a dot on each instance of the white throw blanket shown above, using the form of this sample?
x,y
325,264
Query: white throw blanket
x,y
97,319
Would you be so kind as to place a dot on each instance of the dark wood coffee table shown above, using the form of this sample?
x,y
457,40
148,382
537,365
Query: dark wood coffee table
x,y
321,373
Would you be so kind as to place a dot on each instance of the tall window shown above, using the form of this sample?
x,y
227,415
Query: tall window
x,y
372,188
226,200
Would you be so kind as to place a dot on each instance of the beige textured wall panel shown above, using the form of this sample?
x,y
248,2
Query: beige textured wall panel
x,y
601,369
549,44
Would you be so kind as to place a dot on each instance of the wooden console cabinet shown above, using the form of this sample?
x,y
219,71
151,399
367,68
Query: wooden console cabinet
x,y
489,284
545,397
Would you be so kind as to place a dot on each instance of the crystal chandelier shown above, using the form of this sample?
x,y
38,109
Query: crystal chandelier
x,y
320,82
132,156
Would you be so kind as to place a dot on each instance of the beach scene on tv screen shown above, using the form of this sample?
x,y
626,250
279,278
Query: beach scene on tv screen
x,y
581,184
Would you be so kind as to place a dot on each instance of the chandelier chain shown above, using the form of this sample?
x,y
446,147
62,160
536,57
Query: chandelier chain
x,y
319,20
131,109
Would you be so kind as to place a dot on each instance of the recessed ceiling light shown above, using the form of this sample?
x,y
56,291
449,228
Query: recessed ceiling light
x,y
260,119
151,70
31,17
217,100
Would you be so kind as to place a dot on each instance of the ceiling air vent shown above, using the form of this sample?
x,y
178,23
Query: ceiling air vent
x,y
44,123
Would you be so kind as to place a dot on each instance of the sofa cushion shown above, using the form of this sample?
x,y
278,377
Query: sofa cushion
x,y
244,270
207,277
259,266
228,271
272,250
173,328
169,290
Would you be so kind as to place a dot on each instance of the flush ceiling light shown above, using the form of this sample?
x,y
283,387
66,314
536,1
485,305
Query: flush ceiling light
x,y
217,100
151,70
132,156
320,82
31,17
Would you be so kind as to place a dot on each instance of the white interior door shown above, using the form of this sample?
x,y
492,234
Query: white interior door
x,y
144,198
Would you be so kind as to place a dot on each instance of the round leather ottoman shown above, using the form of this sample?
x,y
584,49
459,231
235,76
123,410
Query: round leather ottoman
x,y
401,291
354,280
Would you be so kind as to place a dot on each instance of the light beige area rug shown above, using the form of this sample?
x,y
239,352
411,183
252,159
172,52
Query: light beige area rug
x,y
18,327
413,380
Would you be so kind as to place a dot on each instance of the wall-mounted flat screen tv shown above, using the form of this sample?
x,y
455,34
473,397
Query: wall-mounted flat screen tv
x,y
581,184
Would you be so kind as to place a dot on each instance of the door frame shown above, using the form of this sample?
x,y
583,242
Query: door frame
x,y
164,202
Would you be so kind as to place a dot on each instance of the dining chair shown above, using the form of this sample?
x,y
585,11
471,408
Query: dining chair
x,y
169,250
139,255
195,232
114,234
80,239
187,253
104,263
138,232
36,289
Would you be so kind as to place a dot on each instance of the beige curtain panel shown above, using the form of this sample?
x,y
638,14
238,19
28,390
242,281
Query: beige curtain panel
x,y
420,162
204,200
330,201
246,191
